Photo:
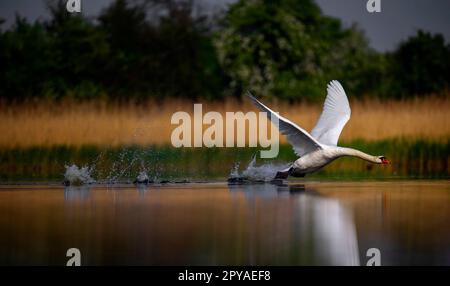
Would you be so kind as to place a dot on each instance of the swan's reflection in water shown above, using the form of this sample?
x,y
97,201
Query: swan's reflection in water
x,y
322,228
220,224
248,224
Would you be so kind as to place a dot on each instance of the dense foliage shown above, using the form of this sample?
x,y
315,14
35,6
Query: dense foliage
x,y
421,65
140,49
289,49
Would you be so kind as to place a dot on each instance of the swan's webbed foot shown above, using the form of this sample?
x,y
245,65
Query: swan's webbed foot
x,y
283,174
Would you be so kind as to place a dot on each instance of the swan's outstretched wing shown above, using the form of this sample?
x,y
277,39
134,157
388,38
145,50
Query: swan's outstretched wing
x,y
336,112
301,141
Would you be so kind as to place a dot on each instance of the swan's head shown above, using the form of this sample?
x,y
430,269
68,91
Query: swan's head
x,y
383,160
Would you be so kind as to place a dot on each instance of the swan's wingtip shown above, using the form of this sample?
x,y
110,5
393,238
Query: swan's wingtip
x,y
249,94
334,82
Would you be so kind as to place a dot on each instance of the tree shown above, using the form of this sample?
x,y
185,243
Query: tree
x,y
288,49
169,53
25,53
80,54
421,65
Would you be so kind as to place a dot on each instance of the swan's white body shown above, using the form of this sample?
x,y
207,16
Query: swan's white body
x,y
318,148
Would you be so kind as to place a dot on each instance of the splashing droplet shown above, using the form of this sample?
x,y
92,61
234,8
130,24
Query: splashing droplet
x,y
234,173
142,178
263,173
75,176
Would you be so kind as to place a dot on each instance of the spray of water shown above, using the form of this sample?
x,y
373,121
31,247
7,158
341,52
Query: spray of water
x,y
234,173
75,176
142,178
263,173
129,164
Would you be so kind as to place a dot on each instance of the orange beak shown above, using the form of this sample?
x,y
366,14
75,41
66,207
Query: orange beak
x,y
385,161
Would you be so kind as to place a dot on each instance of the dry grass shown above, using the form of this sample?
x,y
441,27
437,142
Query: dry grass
x,y
47,124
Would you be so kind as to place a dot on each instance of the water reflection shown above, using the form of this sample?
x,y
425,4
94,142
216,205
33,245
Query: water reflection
x,y
268,190
258,190
323,228
76,193
217,224
142,189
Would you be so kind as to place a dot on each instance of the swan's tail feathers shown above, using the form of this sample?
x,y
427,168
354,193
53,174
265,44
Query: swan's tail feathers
x,y
283,174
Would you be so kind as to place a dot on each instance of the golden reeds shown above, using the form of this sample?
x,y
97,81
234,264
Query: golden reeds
x,y
96,123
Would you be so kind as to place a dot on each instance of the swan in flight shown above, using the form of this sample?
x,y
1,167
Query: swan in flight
x,y
318,148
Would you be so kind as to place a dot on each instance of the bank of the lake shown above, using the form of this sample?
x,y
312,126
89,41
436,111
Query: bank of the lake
x,y
417,158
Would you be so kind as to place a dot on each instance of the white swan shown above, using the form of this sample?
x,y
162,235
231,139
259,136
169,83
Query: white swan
x,y
318,148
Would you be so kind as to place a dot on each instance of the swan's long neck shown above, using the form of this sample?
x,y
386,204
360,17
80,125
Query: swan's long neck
x,y
357,153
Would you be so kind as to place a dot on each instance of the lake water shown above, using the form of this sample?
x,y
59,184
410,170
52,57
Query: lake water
x,y
300,223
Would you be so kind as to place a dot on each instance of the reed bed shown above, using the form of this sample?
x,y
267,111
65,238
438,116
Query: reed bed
x,y
105,124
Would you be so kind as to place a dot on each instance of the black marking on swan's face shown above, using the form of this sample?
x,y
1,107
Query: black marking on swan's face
x,y
383,160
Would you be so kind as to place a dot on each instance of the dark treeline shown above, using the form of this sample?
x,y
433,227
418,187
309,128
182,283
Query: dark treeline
x,y
154,48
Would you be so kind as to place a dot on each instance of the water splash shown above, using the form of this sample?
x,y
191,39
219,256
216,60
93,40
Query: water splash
x,y
75,176
122,167
142,178
130,165
234,173
263,173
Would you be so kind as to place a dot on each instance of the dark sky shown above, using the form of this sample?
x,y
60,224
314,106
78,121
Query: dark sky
x,y
397,20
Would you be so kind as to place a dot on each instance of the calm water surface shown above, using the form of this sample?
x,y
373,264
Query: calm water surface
x,y
315,223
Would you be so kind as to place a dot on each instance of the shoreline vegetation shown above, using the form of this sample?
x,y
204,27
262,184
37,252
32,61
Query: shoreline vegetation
x,y
410,159
102,124
118,140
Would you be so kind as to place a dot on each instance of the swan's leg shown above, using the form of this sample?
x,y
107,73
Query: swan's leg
x,y
283,174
